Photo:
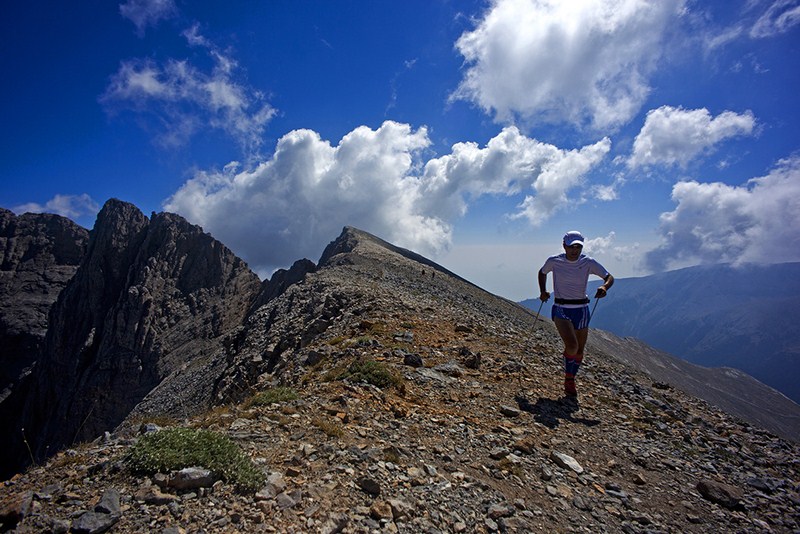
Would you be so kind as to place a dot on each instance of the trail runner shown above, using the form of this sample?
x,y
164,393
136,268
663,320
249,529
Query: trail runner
x,y
570,312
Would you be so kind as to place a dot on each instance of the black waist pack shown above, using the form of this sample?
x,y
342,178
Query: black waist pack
x,y
572,301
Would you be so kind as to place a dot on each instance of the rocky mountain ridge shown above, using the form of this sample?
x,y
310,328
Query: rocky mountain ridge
x,y
148,297
472,435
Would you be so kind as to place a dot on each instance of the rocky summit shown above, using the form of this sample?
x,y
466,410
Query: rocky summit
x,y
419,403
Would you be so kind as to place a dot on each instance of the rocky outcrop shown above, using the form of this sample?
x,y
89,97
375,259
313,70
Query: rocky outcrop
x,y
151,297
281,280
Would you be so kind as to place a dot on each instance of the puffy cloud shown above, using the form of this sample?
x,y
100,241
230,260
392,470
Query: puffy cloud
x,y
510,163
603,246
599,245
580,62
780,17
185,99
72,206
675,136
291,205
719,223
144,13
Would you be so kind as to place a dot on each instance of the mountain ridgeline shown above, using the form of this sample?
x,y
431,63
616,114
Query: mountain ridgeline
x,y
150,319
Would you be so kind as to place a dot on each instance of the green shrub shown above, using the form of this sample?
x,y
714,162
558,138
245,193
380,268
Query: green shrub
x,y
371,372
176,448
274,395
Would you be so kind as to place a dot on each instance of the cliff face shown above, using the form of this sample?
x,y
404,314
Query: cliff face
x,y
39,253
149,297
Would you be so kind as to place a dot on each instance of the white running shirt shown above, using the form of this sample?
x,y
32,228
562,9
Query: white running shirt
x,y
570,277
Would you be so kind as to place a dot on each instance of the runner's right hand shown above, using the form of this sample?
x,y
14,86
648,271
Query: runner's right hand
x,y
545,296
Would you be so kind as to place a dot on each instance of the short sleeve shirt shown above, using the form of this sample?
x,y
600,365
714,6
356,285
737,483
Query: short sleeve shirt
x,y
570,277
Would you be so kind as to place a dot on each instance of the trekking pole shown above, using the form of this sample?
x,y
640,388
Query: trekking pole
x,y
591,315
538,313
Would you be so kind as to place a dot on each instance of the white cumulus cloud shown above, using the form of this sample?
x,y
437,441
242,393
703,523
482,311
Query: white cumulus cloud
x,y
509,164
293,204
585,63
675,136
719,223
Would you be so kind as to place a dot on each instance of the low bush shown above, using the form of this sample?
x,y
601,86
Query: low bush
x,y
371,372
176,448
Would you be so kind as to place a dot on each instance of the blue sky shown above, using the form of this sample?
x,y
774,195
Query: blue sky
x,y
473,132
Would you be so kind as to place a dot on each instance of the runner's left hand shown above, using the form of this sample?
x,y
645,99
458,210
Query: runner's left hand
x,y
601,292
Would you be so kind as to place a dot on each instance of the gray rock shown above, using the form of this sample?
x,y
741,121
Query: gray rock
x,y
413,360
94,523
401,508
191,478
286,500
498,453
566,462
370,486
109,502
450,369
510,411
496,511
723,494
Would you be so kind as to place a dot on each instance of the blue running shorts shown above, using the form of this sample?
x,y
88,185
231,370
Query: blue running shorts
x,y
579,317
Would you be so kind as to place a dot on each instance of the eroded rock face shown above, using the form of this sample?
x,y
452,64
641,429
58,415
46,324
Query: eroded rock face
x,y
39,253
151,296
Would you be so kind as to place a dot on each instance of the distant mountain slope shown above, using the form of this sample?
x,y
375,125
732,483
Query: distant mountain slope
x,y
729,389
715,315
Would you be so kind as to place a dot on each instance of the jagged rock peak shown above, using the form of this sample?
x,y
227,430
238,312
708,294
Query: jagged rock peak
x,y
39,254
34,240
282,279
150,296
365,244
346,242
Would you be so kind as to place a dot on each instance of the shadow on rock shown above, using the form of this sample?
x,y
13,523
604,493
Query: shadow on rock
x,y
551,412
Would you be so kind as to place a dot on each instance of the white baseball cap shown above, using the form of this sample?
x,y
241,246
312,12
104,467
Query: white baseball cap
x,y
573,237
